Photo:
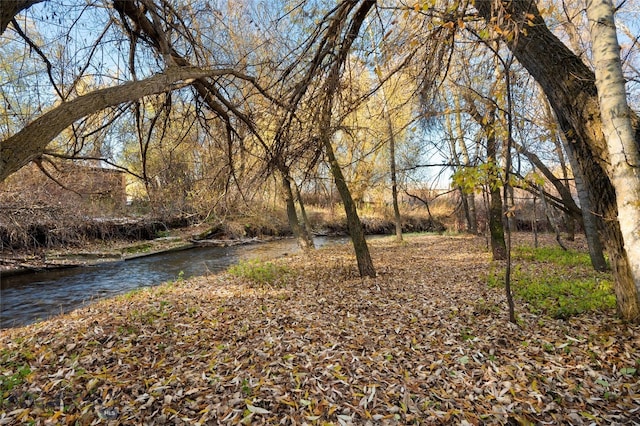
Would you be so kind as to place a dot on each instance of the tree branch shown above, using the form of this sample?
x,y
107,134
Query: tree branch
x,y
29,143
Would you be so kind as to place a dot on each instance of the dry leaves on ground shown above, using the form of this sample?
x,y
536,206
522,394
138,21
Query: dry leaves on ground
x,y
426,342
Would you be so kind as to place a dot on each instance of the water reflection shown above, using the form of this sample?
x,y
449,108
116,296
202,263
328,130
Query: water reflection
x,y
31,297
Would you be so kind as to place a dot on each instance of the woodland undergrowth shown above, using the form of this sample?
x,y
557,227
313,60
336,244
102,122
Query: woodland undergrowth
x,y
426,342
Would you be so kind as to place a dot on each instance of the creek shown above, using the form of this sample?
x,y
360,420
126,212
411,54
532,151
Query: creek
x,y
31,297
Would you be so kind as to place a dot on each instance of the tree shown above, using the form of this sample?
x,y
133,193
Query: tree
x,y
10,8
363,257
570,88
624,169
496,227
589,219
469,199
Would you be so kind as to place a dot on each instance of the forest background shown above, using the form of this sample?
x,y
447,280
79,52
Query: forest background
x,y
225,110
216,110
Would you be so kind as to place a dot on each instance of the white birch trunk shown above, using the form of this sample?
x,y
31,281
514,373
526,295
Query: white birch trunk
x,y
616,123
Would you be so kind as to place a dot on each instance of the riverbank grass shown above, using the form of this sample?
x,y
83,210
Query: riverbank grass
x,y
259,271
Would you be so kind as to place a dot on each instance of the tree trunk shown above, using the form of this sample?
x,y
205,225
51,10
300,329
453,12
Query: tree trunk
x,y
589,219
468,200
397,219
466,160
304,240
570,88
534,224
496,228
551,217
10,8
394,180
563,190
570,220
303,214
618,131
365,264
570,224
457,166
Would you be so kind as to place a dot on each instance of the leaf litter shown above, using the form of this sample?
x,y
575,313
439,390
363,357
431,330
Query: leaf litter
x,y
426,342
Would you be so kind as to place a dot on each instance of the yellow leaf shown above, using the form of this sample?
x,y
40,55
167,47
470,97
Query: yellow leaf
x,y
287,402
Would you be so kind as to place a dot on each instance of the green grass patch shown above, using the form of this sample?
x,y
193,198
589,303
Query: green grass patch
x,y
554,255
11,378
560,283
259,272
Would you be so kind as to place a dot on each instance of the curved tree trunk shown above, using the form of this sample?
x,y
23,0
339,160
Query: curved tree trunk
x,y
365,264
570,88
363,257
589,219
564,192
29,143
10,8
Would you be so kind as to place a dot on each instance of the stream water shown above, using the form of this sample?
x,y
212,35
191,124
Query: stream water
x,y
31,297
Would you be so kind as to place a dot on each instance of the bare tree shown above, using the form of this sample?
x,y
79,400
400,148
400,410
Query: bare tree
x,y
30,142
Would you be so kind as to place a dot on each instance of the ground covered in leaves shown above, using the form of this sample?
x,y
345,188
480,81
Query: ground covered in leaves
x,y
426,342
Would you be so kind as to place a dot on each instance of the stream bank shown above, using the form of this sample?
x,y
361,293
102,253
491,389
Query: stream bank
x,y
27,298
123,239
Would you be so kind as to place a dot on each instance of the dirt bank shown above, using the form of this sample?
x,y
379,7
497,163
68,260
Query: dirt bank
x,y
41,243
